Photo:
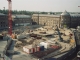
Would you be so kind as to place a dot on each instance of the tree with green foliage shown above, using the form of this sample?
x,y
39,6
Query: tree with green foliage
x,y
65,26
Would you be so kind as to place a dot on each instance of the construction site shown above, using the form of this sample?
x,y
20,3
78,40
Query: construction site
x,y
43,42
37,42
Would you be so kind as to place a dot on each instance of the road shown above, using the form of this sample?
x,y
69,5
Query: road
x,y
73,56
11,48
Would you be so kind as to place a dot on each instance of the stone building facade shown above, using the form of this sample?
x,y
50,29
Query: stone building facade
x,y
21,20
3,21
49,20
70,20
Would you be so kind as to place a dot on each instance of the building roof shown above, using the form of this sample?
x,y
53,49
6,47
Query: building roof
x,y
2,46
21,16
46,15
75,15
65,13
2,14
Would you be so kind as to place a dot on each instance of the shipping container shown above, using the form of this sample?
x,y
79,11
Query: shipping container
x,y
44,44
54,47
28,49
38,48
34,49
41,48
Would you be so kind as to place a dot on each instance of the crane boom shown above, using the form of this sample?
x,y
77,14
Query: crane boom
x,y
10,16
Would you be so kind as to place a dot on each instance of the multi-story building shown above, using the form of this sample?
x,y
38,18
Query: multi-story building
x,y
75,20
50,20
64,19
3,21
21,20
17,20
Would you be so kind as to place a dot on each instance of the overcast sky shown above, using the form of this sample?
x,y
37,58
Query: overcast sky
x,y
43,5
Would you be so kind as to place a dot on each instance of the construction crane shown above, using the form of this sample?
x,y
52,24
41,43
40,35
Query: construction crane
x,y
10,16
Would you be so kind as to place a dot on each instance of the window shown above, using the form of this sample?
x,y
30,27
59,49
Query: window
x,y
0,55
1,25
4,25
1,22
